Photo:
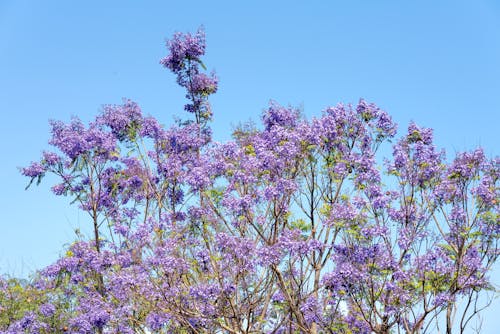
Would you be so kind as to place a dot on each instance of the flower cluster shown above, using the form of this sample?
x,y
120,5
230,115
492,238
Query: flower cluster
x,y
184,60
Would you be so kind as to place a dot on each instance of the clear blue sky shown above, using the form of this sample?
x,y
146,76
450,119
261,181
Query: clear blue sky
x,y
435,62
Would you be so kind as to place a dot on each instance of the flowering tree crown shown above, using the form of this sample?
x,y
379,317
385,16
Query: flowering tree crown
x,y
292,227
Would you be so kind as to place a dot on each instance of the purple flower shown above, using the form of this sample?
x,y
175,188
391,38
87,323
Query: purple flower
x,y
124,120
156,321
34,170
59,189
74,139
203,84
182,47
47,309
50,159
277,115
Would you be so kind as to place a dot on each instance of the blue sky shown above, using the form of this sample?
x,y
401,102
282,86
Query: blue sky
x,y
434,62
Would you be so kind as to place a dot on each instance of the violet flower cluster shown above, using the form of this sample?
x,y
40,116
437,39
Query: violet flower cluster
x,y
184,60
291,227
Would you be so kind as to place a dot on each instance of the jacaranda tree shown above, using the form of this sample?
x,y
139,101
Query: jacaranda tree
x,y
294,226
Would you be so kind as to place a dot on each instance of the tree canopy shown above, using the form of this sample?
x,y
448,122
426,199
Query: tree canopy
x,y
293,226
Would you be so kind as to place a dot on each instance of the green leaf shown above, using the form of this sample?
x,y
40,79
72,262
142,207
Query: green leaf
x,y
302,225
201,63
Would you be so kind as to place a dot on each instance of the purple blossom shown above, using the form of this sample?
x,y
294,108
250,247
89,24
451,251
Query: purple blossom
x,y
34,170
59,189
47,309
122,119
277,115
73,139
156,321
50,159
151,128
203,84
311,310
182,47
269,255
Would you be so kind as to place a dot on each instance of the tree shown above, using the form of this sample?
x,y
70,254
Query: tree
x,y
289,228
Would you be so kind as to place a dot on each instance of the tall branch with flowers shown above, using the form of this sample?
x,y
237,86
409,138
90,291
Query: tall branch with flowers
x,y
288,228
184,60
